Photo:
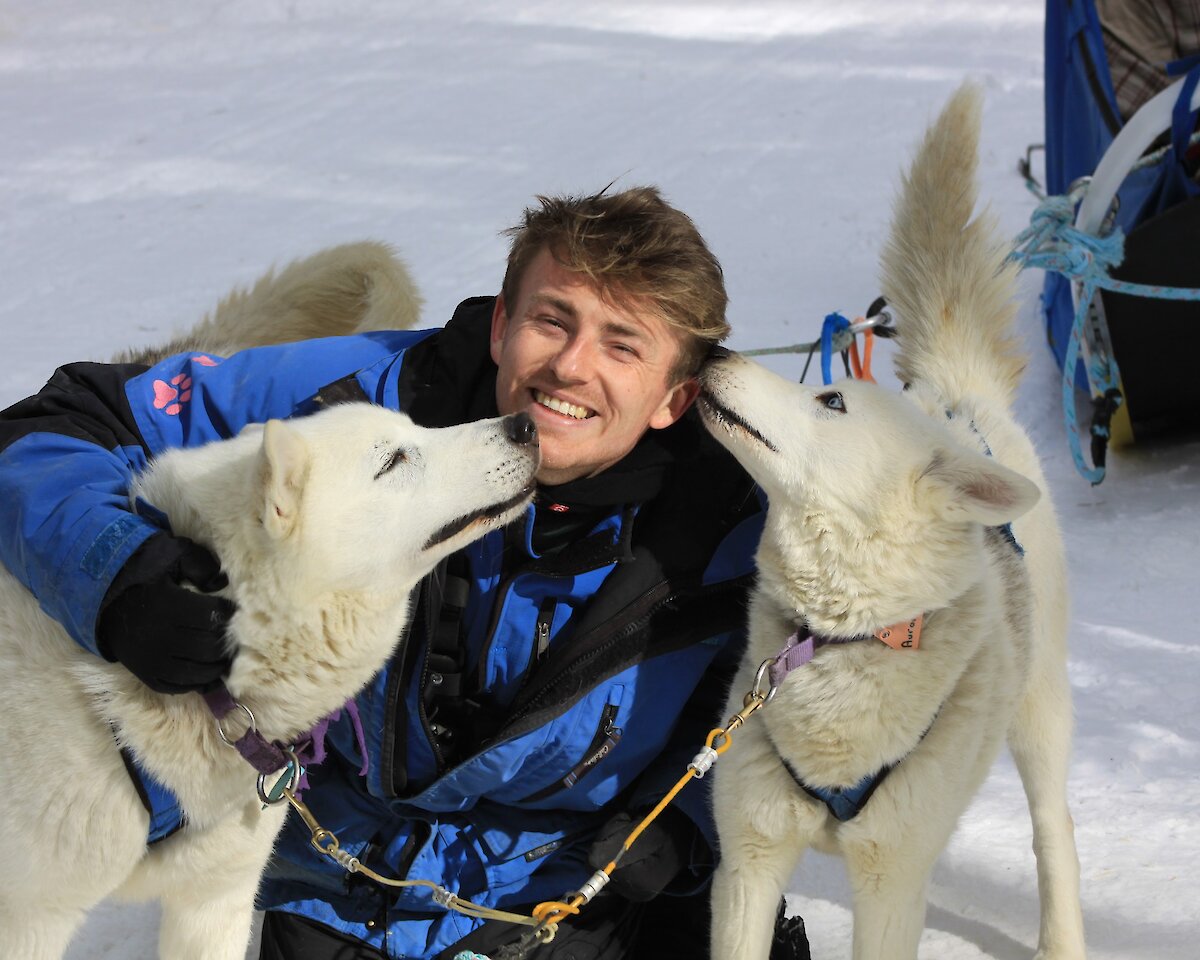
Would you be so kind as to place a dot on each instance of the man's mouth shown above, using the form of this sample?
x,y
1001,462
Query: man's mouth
x,y
572,410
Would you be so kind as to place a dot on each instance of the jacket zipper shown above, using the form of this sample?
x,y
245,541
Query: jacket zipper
x,y
652,601
544,623
543,568
606,737
655,597
541,633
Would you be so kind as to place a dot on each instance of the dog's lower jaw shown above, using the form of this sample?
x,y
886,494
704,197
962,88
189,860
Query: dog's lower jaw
x,y
716,414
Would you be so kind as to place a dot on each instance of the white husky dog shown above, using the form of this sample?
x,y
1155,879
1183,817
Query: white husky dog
x,y
883,509
323,525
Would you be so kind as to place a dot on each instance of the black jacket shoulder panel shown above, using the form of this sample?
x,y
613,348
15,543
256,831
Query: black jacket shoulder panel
x,y
85,401
449,378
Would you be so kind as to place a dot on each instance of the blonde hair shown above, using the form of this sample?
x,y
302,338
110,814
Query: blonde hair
x,y
632,245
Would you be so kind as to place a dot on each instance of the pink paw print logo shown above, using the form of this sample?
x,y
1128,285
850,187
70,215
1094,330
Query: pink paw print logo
x,y
170,397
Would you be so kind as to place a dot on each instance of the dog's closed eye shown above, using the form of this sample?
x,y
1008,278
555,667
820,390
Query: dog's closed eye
x,y
396,458
832,401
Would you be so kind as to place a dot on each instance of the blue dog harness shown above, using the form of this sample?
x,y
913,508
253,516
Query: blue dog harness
x,y
843,803
166,816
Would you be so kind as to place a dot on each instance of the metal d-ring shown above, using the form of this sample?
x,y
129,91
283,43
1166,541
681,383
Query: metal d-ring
x,y
249,716
756,690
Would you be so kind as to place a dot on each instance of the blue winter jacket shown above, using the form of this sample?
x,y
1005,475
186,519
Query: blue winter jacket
x,y
533,697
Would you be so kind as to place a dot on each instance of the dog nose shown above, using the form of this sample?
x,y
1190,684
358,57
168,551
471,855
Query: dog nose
x,y
718,352
520,429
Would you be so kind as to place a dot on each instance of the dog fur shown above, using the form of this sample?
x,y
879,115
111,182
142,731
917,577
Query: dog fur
x,y
353,288
882,507
322,547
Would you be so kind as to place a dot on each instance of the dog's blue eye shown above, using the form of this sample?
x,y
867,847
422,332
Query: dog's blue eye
x,y
833,401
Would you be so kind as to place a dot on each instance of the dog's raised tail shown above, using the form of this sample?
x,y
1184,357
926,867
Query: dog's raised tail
x,y
945,274
353,288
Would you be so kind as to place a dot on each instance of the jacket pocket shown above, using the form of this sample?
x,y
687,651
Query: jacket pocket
x,y
603,742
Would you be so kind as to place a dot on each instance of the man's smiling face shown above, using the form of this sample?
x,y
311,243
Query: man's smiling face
x,y
593,374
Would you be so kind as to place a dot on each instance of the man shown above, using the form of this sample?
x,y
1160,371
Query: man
x,y
557,677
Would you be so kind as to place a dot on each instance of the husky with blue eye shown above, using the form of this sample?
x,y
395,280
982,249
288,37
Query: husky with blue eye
x,y
911,608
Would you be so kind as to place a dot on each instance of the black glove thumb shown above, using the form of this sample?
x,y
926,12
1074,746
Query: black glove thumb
x,y
199,567
169,637
656,858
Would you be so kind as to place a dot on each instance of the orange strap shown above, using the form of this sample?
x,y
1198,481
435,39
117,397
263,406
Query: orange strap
x,y
862,369
554,911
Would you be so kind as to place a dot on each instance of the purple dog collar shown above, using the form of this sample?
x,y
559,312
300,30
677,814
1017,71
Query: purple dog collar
x,y
258,751
799,651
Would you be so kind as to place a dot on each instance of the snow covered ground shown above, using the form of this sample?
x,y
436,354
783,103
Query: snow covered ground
x,y
154,155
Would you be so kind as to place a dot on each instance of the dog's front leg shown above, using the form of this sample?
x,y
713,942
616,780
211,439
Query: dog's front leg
x,y
764,827
217,928
209,908
891,846
37,931
889,909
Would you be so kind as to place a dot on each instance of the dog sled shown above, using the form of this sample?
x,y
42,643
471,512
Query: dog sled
x,y
1117,231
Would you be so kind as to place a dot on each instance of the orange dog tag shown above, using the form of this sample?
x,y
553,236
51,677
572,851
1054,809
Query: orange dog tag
x,y
902,636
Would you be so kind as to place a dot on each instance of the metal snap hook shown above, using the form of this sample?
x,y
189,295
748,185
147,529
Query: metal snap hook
x,y
286,783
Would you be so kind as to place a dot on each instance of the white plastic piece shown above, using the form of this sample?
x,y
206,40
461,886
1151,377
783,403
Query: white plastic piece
x,y
597,882
703,761
1143,127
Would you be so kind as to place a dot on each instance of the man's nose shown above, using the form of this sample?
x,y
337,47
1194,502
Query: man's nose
x,y
574,363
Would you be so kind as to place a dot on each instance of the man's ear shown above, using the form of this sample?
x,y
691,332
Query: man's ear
x,y
284,470
676,403
962,484
499,328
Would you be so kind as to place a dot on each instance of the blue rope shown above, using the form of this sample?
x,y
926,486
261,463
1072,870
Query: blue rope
x,y
1051,242
834,323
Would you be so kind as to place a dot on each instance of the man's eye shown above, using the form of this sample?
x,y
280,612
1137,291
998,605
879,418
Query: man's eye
x,y
832,401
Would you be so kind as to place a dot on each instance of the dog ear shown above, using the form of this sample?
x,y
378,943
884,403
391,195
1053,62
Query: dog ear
x,y
964,485
284,470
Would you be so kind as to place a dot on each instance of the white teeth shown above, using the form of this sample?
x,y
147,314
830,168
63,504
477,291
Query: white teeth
x,y
561,406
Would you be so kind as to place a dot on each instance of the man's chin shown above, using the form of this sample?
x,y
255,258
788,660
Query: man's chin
x,y
559,470
563,461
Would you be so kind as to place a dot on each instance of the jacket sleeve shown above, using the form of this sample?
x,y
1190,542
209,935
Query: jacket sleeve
x,y
67,454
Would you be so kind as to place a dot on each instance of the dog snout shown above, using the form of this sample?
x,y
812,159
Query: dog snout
x,y
717,352
521,430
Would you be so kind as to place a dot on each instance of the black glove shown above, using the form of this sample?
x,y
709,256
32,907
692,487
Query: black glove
x,y
790,941
170,638
656,858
